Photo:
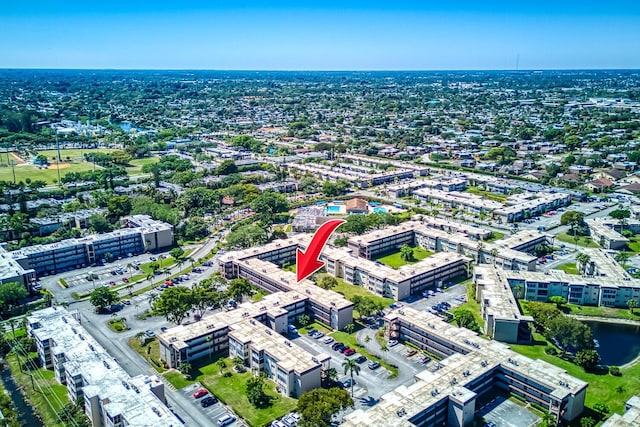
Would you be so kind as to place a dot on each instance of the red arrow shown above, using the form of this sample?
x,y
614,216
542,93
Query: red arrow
x,y
308,262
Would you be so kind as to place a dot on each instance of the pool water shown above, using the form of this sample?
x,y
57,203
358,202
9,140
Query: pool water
x,y
379,210
332,209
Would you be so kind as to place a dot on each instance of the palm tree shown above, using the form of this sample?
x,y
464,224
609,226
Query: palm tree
x,y
140,335
153,298
130,268
622,258
221,365
349,328
494,254
479,248
583,259
351,367
632,303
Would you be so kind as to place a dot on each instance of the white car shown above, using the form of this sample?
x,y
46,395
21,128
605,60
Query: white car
x,y
392,343
328,340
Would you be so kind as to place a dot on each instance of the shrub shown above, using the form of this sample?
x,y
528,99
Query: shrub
x,y
614,370
551,350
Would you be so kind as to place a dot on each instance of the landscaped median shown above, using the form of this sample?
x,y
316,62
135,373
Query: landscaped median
x,y
351,341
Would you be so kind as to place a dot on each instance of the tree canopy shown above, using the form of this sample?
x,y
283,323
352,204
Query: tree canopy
x,y
103,297
318,406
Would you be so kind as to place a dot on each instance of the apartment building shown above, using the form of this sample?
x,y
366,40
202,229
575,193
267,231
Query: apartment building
x,y
77,219
446,393
526,205
603,233
503,320
467,202
605,283
510,253
293,369
143,234
12,271
256,265
111,397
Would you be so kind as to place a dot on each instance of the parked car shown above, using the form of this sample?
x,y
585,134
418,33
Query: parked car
x,y
125,280
348,382
336,345
225,420
361,359
200,392
318,335
152,258
349,352
328,340
208,401
392,343
150,333
373,365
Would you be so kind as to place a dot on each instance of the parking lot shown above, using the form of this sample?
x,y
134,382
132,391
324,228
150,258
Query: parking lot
x,y
505,413
452,296
214,412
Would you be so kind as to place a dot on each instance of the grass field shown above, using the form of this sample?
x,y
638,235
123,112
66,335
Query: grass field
x,y
136,165
602,386
232,390
394,260
349,291
569,268
47,390
50,175
495,235
584,241
587,310
634,244
72,153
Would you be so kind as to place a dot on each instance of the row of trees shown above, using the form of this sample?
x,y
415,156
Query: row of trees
x,y
176,302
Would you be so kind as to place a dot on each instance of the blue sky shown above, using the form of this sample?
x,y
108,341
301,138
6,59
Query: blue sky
x,y
322,35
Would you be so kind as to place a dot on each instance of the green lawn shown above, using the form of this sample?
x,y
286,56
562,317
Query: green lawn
x,y
232,391
349,291
177,379
634,244
135,165
495,235
487,194
47,398
72,153
472,305
49,175
587,310
584,241
569,268
602,387
394,259
151,346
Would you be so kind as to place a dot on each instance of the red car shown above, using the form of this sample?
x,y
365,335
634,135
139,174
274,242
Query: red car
x,y
125,280
349,352
200,392
112,283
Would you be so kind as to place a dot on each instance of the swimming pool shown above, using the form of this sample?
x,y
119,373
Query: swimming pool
x,y
333,209
379,210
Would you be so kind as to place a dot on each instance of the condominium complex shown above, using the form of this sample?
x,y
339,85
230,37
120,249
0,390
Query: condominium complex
x,y
515,208
252,332
605,282
111,397
510,253
293,369
606,232
142,234
447,392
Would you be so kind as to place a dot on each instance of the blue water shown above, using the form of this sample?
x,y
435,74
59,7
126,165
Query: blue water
x,y
379,210
374,203
125,126
333,209
322,202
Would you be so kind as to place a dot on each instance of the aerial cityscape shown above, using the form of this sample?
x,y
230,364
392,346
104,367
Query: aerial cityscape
x,y
392,237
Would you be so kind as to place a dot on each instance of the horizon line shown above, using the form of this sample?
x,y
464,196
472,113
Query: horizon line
x,y
337,70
